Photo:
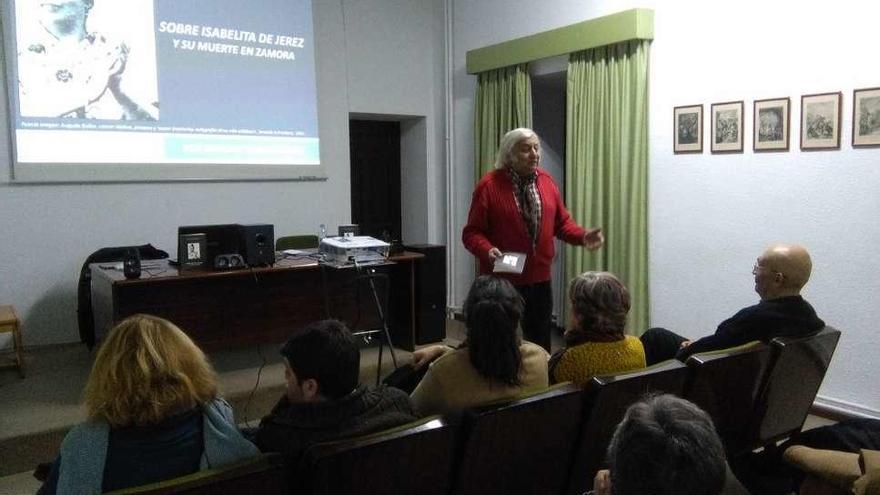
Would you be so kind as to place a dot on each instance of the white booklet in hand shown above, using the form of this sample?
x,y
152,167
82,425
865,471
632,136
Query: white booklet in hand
x,y
510,262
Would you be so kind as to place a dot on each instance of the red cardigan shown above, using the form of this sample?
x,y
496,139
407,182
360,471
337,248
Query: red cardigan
x,y
495,221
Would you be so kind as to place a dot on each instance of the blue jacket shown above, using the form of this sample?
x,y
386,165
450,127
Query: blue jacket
x,y
84,450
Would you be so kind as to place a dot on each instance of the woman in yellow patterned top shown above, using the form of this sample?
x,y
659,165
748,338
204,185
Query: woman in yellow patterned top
x,y
595,343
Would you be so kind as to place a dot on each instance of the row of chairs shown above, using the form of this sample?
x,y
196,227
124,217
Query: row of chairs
x,y
553,442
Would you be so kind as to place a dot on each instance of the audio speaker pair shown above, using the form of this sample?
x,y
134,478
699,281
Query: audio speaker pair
x,y
228,262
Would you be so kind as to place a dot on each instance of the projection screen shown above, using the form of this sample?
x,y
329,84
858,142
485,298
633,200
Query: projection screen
x,y
118,90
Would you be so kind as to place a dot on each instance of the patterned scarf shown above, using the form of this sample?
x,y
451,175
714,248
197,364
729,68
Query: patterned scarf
x,y
527,200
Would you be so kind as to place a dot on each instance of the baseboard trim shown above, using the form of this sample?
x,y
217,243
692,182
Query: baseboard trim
x,y
838,410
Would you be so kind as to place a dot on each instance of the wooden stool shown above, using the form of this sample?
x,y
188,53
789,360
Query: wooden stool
x,y
9,323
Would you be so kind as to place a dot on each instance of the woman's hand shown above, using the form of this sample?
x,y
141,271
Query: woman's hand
x,y
602,483
594,239
494,254
422,357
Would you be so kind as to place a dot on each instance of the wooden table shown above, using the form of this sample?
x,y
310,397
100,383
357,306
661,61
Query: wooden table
x,y
223,309
9,322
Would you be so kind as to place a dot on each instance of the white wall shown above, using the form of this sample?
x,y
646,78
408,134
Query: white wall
x,y
395,52
374,56
711,215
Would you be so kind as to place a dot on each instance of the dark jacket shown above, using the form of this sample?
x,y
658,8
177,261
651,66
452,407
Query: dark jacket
x,y
292,427
783,317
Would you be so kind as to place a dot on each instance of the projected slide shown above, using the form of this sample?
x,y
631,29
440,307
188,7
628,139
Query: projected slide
x,y
163,82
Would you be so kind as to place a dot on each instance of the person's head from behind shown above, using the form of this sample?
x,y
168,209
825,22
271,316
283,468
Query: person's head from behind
x,y
666,445
146,371
782,270
599,305
519,150
321,362
492,312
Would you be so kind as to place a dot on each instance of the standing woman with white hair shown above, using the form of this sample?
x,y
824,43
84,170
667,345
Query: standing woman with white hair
x,y
517,208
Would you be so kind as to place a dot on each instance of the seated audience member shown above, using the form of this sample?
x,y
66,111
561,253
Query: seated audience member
x,y
841,458
323,399
834,472
595,343
780,273
153,414
666,446
493,363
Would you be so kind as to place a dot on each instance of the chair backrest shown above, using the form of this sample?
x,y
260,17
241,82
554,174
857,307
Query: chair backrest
x,y
264,474
413,458
792,385
522,446
296,242
727,384
607,399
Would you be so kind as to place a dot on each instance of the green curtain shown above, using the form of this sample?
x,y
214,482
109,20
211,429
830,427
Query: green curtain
x,y
503,102
606,165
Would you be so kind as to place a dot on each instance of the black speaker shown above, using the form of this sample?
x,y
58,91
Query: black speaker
x,y
228,262
131,264
257,244
430,296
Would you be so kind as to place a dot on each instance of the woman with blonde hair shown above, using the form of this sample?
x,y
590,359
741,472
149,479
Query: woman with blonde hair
x,y
153,414
595,343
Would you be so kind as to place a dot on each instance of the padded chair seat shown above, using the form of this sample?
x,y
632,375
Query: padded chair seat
x,y
415,457
263,474
607,398
520,446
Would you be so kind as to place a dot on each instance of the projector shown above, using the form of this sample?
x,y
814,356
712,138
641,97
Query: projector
x,y
353,249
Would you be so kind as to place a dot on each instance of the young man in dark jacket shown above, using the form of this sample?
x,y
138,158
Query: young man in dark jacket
x,y
323,400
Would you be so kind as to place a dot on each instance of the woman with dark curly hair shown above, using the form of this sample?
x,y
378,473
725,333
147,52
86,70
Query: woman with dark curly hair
x,y
595,343
493,363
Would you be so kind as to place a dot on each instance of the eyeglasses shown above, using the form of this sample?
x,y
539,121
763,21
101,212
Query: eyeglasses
x,y
758,266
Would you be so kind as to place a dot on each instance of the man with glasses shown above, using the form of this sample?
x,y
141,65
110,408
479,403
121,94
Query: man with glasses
x,y
780,273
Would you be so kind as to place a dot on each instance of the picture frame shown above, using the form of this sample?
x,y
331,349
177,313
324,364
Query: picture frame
x,y
771,124
192,250
727,127
820,121
687,129
866,118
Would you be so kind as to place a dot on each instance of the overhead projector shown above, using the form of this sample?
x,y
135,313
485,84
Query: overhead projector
x,y
353,250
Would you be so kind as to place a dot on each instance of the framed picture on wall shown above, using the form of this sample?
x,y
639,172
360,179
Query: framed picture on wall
x,y
771,124
727,127
820,121
687,126
866,117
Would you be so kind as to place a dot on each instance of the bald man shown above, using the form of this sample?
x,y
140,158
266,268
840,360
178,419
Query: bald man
x,y
780,273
